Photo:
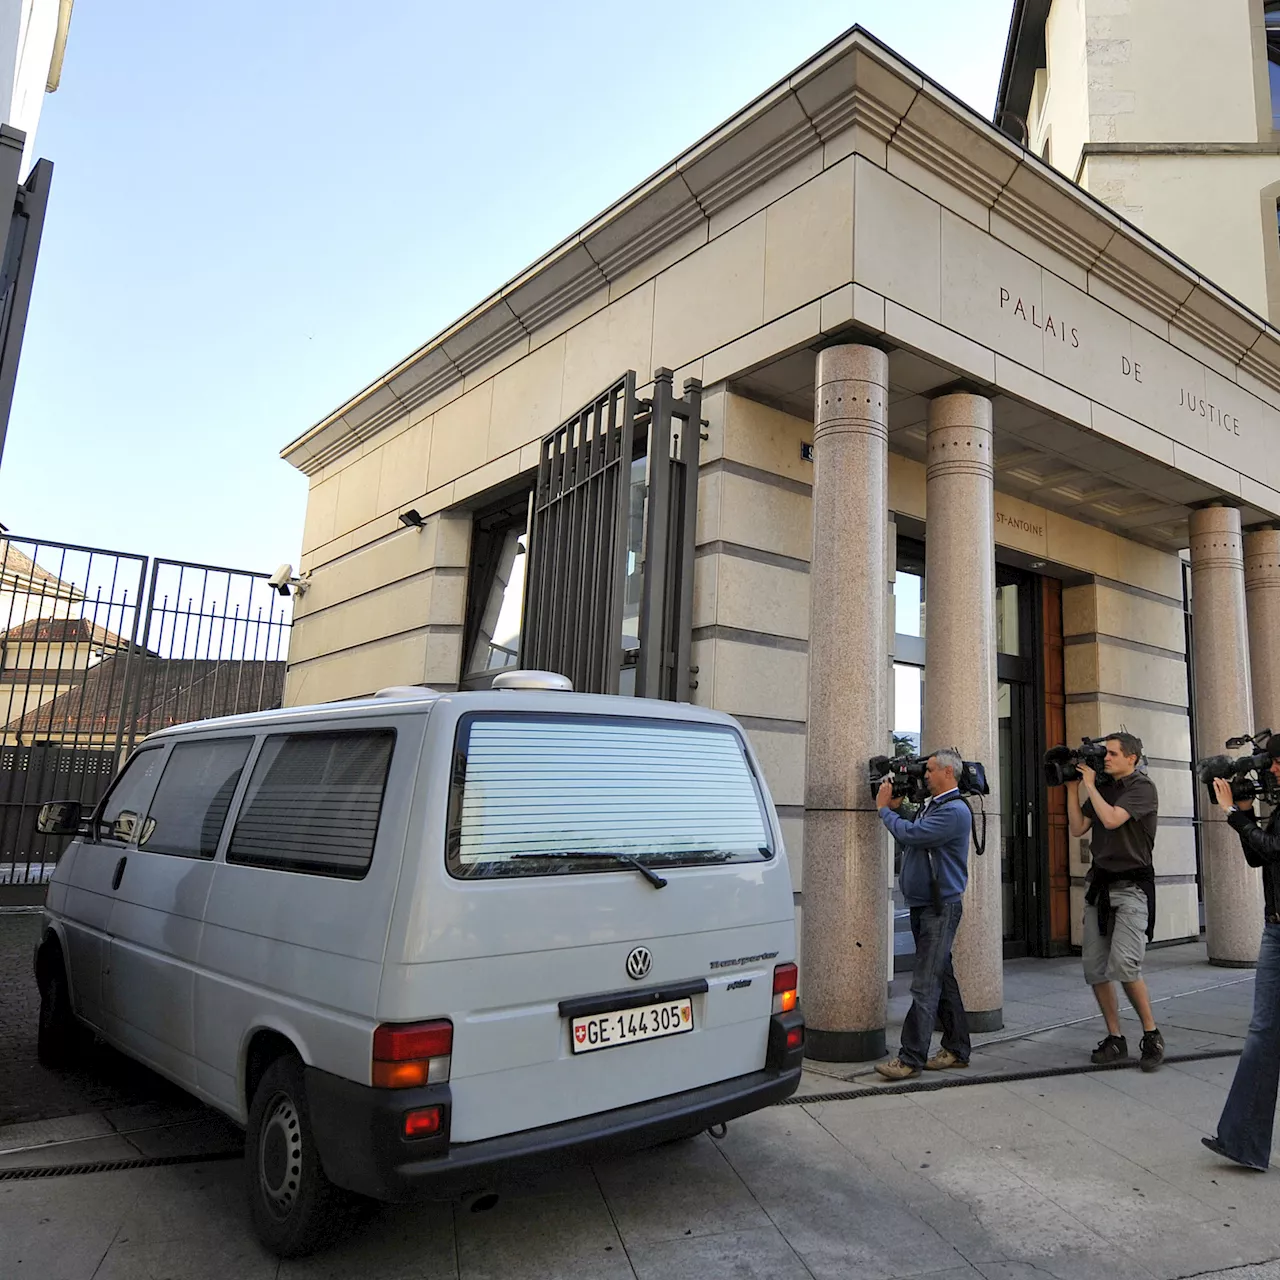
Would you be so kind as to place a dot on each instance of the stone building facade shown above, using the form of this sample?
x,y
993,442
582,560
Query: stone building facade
x,y
973,448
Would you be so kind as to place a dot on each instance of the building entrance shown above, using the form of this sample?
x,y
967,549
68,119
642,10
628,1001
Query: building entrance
x,y
1018,767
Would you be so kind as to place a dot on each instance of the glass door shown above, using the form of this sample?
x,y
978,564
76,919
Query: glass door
x,y
1017,815
1017,730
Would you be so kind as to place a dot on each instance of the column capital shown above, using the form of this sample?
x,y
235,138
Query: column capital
x,y
1215,539
1262,561
851,393
960,439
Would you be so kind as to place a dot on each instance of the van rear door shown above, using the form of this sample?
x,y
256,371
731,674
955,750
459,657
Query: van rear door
x,y
576,982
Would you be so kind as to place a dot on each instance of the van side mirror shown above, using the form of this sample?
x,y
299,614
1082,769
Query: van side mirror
x,y
59,818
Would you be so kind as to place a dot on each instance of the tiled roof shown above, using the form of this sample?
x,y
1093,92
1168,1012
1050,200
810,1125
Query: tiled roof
x,y
69,631
169,691
17,569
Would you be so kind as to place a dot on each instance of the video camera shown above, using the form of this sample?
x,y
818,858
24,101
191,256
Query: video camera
x,y
1250,776
907,773
1061,764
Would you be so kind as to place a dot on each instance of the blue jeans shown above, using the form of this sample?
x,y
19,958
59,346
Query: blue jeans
x,y
1249,1116
935,994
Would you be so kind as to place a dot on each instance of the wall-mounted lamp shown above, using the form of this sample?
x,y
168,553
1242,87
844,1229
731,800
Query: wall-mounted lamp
x,y
411,519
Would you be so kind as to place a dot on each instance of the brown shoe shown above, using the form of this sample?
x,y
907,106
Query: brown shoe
x,y
945,1060
896,1069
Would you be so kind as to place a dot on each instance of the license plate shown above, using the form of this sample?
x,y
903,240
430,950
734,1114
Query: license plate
x,y
628,1026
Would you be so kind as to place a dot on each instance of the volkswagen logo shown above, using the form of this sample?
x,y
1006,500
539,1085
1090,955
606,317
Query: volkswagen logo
x,y
639,963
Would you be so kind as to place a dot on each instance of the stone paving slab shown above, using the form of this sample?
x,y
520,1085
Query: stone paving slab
x,y
1097,1175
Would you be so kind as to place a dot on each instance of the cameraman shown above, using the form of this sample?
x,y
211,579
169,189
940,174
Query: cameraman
x,y
1244,1131
935,871
1120,911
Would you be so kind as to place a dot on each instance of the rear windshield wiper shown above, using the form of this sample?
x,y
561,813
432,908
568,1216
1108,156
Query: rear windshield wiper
x,y
658,882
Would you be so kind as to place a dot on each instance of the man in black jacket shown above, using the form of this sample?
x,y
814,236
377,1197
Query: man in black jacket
x,y
1244,1130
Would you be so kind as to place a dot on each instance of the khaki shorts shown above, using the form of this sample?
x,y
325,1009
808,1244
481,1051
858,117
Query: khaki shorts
x,y
1117,957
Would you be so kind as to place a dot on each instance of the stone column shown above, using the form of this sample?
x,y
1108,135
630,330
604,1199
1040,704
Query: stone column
x,y
1223,709
845,925
960,665
1262,605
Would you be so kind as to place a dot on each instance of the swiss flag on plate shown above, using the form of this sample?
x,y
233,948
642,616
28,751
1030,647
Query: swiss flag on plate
x,y
580,1034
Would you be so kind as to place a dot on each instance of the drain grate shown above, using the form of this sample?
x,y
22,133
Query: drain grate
x,y
112,1166
958,1082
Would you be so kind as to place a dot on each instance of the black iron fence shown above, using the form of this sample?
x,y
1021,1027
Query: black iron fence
x,y
100,648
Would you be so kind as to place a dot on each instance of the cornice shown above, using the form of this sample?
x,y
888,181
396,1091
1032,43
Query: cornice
x,y
857,83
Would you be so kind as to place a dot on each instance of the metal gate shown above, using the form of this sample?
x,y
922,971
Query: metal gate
x,y
100,648
611,542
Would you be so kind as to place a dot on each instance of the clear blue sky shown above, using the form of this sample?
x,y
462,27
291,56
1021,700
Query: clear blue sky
x,y
259,207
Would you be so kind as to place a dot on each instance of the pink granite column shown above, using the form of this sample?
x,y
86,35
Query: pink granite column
x,y
960,665
845,945
1262,607
1223,709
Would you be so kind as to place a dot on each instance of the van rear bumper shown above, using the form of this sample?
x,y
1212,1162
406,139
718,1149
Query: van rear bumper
x,y
358,1131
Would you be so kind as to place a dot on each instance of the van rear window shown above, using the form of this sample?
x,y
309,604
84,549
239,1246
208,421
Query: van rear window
x,y
313,803
543,795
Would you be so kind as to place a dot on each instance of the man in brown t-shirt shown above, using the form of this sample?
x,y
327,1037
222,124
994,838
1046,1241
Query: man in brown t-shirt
x,y
1120,809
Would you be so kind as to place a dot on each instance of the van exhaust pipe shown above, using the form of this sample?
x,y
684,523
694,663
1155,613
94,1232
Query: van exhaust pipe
x,y
479,1201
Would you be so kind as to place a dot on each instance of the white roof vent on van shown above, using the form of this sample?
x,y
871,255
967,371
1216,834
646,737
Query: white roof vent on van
x,y
407,691
547,680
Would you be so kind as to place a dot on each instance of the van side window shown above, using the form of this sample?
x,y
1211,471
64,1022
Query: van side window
x,y
118,816
313,803
193,797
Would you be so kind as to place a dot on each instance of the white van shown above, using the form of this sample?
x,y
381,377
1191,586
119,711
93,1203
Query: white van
x,y
414,940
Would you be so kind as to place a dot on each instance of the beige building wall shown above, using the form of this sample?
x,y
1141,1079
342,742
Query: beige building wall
x,y
751,590
389,612
1058,126
1126,668
1162,109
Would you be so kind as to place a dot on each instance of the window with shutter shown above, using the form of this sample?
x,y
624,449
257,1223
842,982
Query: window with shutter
x,y
537,795
194,795
313,803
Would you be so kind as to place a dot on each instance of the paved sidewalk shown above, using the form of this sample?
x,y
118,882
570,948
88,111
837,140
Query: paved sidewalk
x,y
1052,1021
1040,1166
1098,1175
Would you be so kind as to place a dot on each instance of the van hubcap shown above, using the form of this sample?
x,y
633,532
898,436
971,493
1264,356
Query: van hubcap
x,y
280,1156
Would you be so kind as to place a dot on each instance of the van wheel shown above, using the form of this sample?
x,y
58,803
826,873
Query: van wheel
x,y
59,1036
295,1208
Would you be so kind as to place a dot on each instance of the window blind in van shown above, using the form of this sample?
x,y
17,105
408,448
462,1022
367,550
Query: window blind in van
x,y
190,805
573,785
313,803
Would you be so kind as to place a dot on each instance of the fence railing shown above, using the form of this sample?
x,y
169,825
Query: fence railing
x,y
98,649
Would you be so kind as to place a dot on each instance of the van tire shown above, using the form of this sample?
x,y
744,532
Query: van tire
x,y
294,1207
59,1036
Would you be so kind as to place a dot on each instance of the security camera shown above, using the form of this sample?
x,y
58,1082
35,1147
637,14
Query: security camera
x,y
281,579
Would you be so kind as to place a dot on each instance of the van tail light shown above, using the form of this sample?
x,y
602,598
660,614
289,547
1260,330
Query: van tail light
x,y
409,1055
786,981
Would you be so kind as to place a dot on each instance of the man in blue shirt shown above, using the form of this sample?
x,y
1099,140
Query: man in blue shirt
x,y
935,871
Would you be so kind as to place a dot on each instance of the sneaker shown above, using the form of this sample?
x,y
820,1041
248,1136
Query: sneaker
x,y
896,1069
1110,1049
1152,1050
945,1059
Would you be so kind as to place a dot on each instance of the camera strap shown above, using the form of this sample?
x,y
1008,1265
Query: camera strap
x,y
979,841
